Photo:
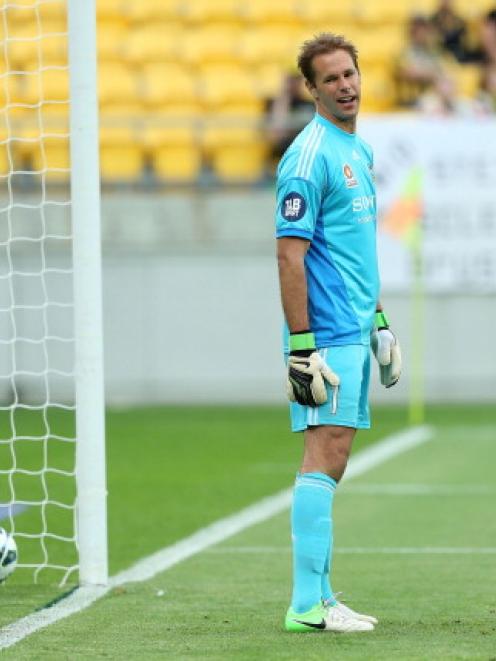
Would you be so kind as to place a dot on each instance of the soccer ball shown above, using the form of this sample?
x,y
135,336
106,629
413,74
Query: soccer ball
x,y
8,554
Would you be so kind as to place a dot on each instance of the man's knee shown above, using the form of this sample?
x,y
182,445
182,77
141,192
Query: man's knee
x,y
327,450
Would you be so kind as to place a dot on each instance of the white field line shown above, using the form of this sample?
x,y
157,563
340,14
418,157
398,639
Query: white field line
x,y
364,550
205,537
407,489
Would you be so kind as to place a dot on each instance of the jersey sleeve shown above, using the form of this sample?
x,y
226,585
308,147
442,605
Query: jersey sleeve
x,y
298,205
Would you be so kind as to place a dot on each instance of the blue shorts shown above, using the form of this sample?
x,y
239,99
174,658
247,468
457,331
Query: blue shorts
x,y
352,364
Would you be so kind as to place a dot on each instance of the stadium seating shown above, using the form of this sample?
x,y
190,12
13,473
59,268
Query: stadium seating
x,y
383,12
155,43
121,156
230,89
174,152
149,12
118,88
467,79
279,12
210,44
206,12
269,44
192,76
46,153
236,153
112,39
327,13
168,84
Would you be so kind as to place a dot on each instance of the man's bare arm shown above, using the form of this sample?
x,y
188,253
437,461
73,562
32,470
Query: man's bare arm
x,y
291,253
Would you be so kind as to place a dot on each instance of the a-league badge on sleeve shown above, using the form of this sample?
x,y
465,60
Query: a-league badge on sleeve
x,y
293,207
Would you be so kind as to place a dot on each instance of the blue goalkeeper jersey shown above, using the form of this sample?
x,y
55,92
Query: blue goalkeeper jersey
x,y
326,194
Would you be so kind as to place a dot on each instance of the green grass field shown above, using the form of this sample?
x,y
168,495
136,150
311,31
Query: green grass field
x,y
415,543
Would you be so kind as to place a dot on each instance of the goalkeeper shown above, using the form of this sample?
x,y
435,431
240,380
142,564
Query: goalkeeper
x,y
326,245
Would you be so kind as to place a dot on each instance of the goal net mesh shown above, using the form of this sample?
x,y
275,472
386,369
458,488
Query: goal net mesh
x,y
37,401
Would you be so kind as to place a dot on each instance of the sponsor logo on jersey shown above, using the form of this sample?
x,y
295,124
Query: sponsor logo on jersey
x,y
293,207
349,177
363,203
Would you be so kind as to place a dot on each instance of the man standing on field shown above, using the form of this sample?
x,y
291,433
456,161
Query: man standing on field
x,y
326,249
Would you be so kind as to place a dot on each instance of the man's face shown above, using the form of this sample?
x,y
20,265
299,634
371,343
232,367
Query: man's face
x,y
336,86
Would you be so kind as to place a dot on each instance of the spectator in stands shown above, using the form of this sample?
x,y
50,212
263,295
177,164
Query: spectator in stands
x,y
420,65
443,100
488,39
486,99
288,113
451,30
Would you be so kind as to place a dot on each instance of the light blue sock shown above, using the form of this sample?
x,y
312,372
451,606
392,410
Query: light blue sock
x,y
327,592
311,530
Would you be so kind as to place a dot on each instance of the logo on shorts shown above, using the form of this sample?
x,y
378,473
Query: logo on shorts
x,y
349,177
293,207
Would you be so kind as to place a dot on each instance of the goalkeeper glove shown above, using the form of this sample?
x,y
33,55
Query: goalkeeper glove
x,y
387,351
308,372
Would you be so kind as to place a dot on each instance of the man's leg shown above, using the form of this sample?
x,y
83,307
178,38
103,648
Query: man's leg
x,y
326,453
317,452
325,456
328,438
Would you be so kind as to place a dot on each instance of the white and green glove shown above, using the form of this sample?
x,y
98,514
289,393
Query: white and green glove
x,y
386,349
308,373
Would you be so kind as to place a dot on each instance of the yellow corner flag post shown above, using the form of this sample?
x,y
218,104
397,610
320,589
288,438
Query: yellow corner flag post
x,y
404,221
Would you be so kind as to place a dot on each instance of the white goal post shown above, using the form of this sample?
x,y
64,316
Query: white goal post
x,y
52,425
85,192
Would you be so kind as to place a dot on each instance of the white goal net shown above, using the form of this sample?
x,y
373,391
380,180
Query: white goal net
x,y
38,439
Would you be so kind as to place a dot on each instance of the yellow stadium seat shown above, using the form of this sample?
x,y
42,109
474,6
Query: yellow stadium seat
x,y
22,45
268,77
236,153
111,40
55,84
379,45
117,85
30,11
48,155
378,89
19,12
328,12
272,11
424,6
207,45
121,155
12,89
150,11
174,152
26,43
468,78
206,11
383,12
111,9
49,85
166,83
54,50
228,88
52,11
155,43
266,45
5,156
179,110
473,8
